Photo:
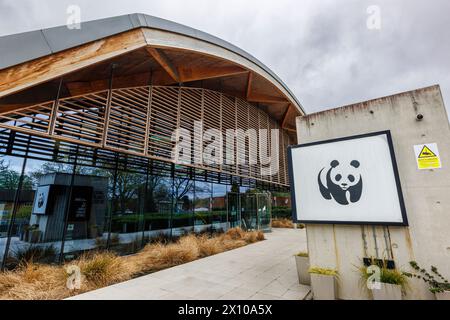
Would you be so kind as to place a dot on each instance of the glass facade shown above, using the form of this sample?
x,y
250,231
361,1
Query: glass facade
x,y
59,200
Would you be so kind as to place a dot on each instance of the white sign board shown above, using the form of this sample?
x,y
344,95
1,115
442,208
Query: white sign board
x,y
427,156
41,200
351,180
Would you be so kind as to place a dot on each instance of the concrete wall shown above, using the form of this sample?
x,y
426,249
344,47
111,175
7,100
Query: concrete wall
x,y
427,193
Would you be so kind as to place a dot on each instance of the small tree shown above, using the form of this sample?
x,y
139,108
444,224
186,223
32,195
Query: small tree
x,y
9,178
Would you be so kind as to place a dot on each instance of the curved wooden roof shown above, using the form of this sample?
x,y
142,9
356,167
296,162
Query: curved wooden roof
x,y
143,50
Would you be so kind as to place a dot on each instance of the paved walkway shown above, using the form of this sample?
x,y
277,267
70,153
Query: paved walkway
x,y
262,271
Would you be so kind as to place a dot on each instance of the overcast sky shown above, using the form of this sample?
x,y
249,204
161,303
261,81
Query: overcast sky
x,y
322,49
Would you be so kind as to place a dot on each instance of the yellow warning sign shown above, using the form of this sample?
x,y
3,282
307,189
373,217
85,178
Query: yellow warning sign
x,y
428,156
426,153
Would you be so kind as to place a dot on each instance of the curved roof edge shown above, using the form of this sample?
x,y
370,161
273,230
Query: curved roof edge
x,y
22,47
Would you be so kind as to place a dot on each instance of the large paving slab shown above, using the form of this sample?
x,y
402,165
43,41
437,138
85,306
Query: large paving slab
x,y
262,271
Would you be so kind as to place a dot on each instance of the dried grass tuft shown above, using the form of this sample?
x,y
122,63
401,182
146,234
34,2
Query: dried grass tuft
x,y
102,268
31,281
235,234
282,223
210,246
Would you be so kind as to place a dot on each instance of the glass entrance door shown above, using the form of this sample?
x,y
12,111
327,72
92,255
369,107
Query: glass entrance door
x,y
264,211
234,209
250,211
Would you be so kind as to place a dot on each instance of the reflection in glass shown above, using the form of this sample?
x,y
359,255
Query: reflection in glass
x,y
128,202
39,222
183,214
203,214
158,208
10,173
219,219
110,201
87,209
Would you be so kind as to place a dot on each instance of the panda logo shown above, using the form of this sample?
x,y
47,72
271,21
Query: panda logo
x,y
41,200
343,182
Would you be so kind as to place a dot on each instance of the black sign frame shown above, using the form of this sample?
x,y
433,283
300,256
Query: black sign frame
x,y
388,135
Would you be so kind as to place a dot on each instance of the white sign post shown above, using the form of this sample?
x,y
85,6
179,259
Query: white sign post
x,y
352,180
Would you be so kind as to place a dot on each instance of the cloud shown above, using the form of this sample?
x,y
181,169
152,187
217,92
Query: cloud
x,y
323,50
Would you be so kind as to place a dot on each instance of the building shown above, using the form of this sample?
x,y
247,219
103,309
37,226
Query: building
x,y
104,105
413,118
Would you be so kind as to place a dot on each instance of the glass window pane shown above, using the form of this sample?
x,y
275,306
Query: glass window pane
x,y
220,216
158,209
87,210
10,173
128,212
203,215
40,219
182,219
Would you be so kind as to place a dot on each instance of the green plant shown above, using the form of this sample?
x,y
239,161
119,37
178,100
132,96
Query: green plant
x,y
302,254
323,271
389,276
435,281
282,212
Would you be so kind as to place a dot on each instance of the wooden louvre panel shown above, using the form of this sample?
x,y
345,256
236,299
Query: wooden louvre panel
x,y
275,157
212,115
128,119
228,129
263,137
191,111
33,118
82,118
286,143
282,173
253,121
242,156
164,119
142,121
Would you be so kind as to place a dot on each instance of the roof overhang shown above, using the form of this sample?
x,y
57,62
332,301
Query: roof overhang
x,y
145,46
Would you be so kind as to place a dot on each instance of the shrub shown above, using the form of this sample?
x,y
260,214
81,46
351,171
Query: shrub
x,y
185,250
260,236
282,223
209,246
302,254
323,271
235,234
101,269
281,212
389,276
251,237
33,282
